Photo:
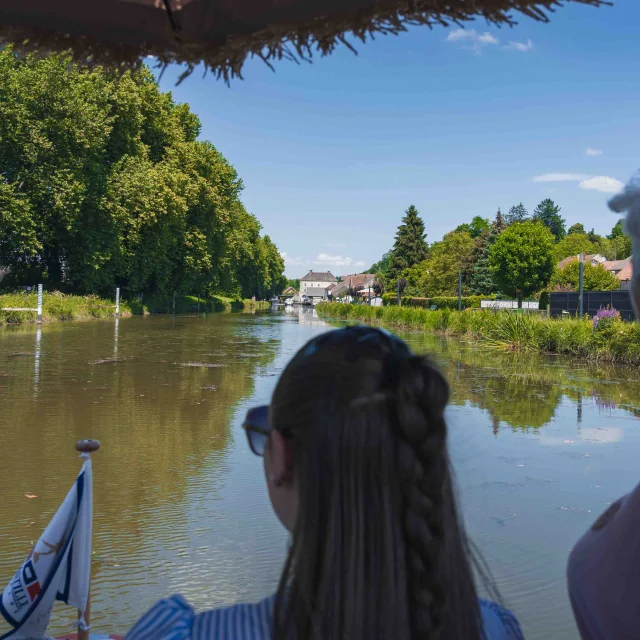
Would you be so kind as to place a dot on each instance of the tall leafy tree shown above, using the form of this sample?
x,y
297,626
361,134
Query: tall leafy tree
x,y
475,228
617,231
548,212
572,245
438,275
410,246
596,278
382,265
517,213
522,259
103,183
578,227
482,281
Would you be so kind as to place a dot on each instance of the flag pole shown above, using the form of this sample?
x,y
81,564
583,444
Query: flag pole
x,y
86,447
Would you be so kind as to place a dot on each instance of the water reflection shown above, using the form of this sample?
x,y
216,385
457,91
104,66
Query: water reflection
x,y
180,502
522,390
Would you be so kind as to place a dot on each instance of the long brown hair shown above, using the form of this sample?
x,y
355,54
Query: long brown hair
x,y
378,550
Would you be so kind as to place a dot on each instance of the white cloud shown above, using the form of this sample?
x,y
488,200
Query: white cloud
x,y
605,184
560,177
474,40
593,152
291,261
326,260
520,46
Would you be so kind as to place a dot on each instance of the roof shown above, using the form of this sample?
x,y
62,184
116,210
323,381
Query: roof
x,y
315,292
358,279
222,34
289,291
622,268
320,276
592,257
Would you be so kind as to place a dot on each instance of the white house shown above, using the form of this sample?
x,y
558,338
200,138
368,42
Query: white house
x,y
315,280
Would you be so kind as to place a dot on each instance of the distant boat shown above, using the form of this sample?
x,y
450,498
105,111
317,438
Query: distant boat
x,y
288,302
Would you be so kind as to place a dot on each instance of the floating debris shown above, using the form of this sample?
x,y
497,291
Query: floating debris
x,y
576,509
209,387
30,496
201,365
504,484
109,360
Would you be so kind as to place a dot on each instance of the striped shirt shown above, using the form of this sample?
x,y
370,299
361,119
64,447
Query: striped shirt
x,y
175,619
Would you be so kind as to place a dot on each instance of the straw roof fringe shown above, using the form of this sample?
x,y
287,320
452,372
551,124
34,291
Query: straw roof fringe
x,y
224,51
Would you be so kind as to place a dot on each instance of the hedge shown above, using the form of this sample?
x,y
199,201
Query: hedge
x,y
441,302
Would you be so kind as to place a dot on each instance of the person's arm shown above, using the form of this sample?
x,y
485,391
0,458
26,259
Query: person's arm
x,y
604,573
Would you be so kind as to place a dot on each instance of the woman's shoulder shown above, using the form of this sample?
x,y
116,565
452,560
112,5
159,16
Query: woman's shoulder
x,y
499,623
175,619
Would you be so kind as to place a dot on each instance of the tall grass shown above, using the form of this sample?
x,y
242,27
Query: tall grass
x,y
615,342
60,306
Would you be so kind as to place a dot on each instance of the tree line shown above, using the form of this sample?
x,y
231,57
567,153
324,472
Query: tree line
x,y
517,255
104,183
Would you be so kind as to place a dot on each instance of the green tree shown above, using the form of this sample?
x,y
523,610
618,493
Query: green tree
x,y
103,183
548,212
596,278
482,281
619,245
382,265
410,246
517,213
578,227
477,226
522,259
572,245
617,230
295,283
438,275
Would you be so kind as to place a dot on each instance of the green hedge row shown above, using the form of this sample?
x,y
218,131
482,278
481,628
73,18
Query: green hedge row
x,y
441,302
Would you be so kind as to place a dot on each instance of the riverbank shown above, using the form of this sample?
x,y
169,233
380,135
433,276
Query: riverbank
x,y
614,341
58,306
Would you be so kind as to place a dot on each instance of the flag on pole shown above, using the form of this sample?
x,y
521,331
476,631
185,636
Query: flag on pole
x,y
58,567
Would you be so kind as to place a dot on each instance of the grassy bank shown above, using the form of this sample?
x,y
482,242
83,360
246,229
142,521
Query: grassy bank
x,y
614,341
59,306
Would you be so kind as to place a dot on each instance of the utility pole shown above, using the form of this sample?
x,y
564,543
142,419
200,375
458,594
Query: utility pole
x,y
459,290
581,284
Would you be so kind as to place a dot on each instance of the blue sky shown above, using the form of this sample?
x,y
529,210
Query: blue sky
x,y
457,123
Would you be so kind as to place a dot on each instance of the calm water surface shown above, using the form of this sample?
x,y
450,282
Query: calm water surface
x,y
540,447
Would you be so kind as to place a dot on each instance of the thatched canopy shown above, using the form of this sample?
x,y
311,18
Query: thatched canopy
x,y
222,33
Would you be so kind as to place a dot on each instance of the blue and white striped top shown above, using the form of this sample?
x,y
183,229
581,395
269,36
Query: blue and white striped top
x,y
175,619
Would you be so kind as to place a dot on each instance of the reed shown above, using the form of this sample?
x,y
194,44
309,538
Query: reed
x,y
613,341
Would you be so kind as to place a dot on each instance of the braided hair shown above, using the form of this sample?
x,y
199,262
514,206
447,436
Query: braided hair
x,y
377,550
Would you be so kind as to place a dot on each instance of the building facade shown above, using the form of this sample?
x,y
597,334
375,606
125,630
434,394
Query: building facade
x,y
316,280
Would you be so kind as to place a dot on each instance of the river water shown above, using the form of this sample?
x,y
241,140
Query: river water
x,y
540,447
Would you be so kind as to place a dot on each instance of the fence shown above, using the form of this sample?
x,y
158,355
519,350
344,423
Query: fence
x,y
592,301
508,304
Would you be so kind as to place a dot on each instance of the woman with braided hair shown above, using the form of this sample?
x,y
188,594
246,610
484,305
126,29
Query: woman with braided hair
x,y
357,468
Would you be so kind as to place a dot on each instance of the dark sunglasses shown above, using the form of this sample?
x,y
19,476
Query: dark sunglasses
x,y
258,430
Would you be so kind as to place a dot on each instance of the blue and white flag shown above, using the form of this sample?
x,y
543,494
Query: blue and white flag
x,y
58,567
